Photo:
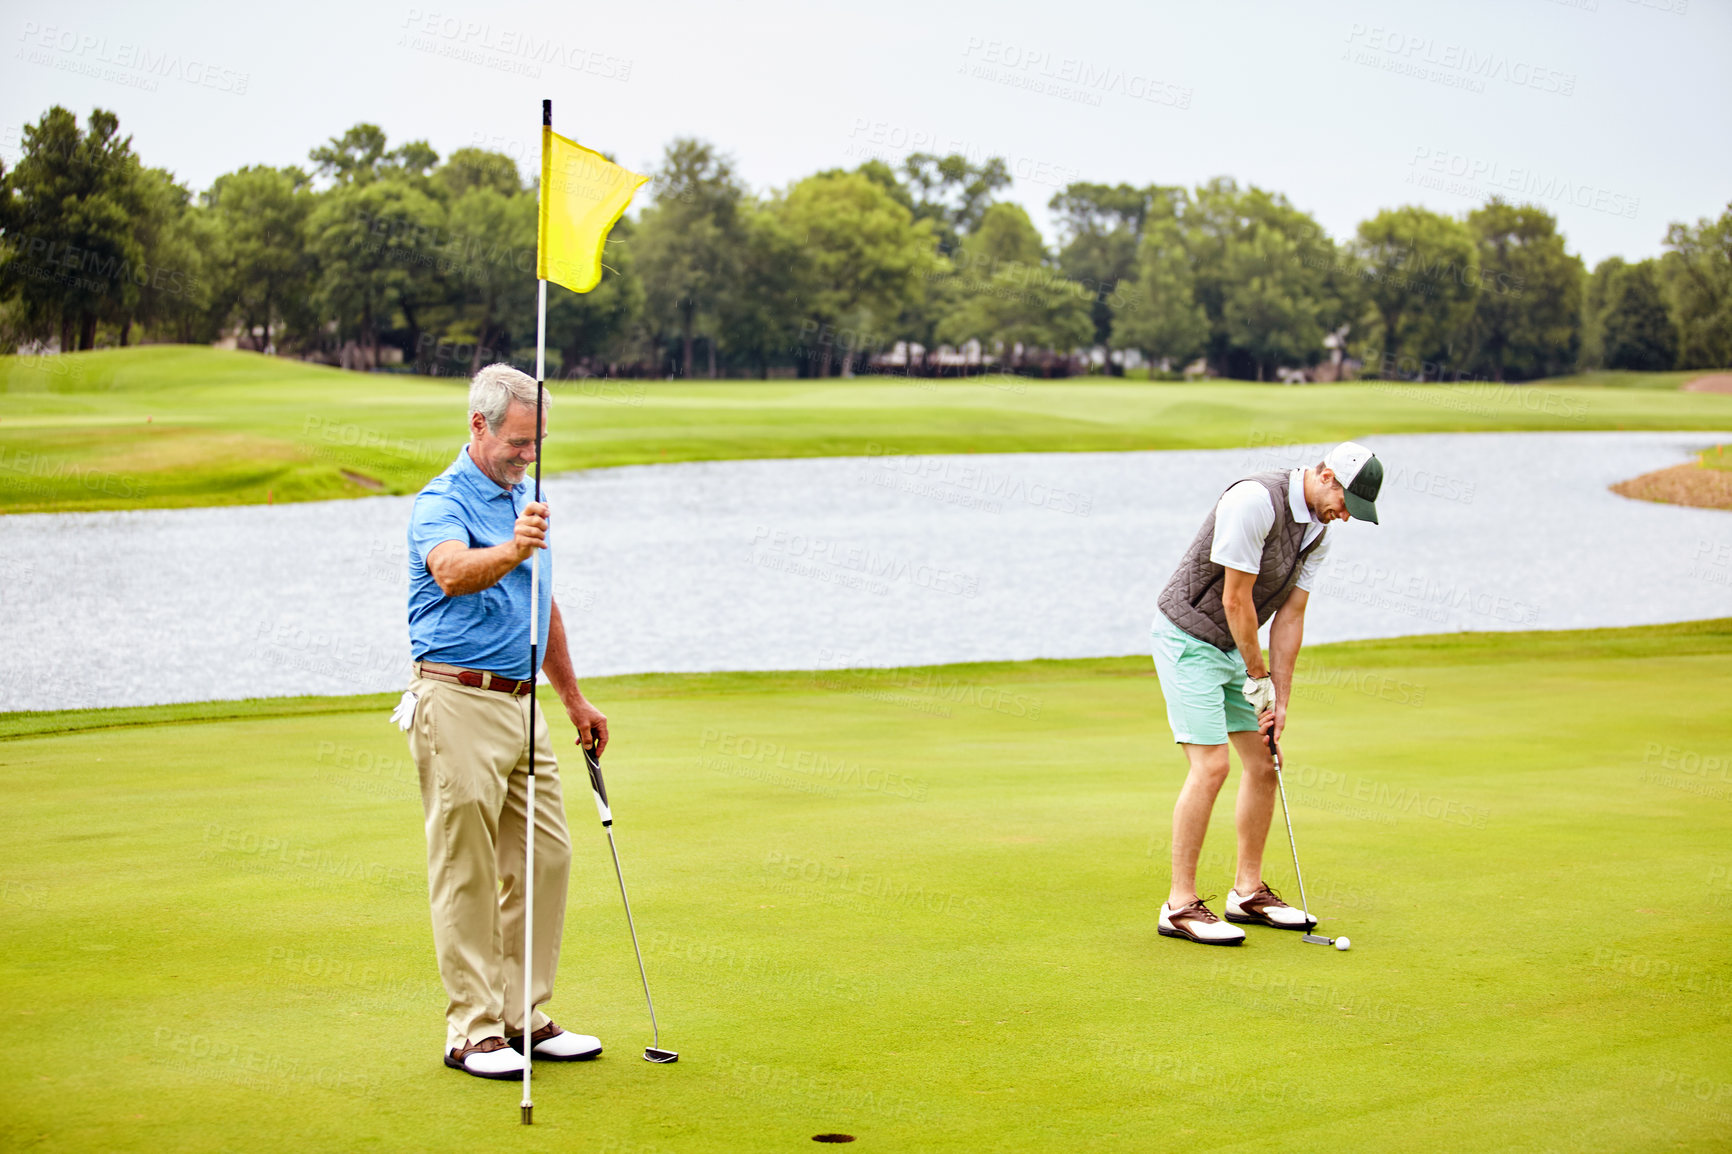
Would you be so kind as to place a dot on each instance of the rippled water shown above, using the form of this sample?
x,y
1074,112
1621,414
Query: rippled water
x,y
850,561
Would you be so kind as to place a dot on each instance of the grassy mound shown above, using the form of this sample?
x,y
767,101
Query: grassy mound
x,y
166,426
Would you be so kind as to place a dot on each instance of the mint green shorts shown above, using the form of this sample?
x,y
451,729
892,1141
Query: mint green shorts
x,y
1202,685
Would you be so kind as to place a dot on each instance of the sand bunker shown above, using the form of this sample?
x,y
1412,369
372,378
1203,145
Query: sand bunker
x,y
1712,383
1686,484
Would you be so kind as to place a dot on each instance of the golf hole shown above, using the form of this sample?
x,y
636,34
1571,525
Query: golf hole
x,y
832,1137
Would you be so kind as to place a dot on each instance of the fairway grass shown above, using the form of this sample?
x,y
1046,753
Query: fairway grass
x,y
914,906
176,425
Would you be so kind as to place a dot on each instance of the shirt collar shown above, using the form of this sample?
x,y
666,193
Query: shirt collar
x,y
485,486
1296,497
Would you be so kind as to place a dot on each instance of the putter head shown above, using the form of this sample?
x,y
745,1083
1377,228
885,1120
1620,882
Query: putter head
x,y
1318,940
661,1057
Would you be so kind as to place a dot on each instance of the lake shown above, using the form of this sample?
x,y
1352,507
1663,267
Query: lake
x,y
802,564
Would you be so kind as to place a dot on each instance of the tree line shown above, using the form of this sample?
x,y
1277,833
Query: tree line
x,y
375,255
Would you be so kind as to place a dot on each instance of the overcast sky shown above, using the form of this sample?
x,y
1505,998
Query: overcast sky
x,y
1614,114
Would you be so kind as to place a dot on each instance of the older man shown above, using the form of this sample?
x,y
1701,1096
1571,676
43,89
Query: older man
x,y
473,536
1257,555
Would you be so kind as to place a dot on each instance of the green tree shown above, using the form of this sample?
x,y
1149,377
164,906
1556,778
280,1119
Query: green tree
x,y
361,156
592,327
1005,236
469,168
1698,275
491,268
352,158
887,178
262,265
71,245
1261,268
387,202
864,259
175,291
1418,269
1101,229
10,327
369,241
1271,313
414,159
1635,326
758,319
1011,295
1526,319
1163,318
1596,295
950,191
688,244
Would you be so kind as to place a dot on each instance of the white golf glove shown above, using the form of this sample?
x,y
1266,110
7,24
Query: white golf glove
x,y
1260,692
404,714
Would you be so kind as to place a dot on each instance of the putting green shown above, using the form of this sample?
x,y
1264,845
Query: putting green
x,y
177,425
913,906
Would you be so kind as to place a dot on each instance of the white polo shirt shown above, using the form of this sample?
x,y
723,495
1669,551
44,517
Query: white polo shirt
x,y
1243,518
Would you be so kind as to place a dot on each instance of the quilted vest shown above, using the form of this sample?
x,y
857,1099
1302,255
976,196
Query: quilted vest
x,y
1192,599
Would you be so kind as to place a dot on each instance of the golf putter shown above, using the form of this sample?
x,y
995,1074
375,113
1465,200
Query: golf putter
x,y
651,1053
1304,904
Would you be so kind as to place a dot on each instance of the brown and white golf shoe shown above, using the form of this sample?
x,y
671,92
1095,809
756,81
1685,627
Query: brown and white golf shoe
x,y
553,1044
1198,923
1265,908
489,1058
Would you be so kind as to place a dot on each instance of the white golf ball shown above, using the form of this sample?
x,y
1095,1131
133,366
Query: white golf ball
x,y
1343,944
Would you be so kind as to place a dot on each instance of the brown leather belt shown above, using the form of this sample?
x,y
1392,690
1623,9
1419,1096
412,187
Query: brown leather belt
x,y
474,678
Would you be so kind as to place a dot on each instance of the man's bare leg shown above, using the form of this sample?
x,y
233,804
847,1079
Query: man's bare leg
x,y
1254,809
1191,817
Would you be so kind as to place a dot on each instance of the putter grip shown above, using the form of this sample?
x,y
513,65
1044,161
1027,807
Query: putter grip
x,y
593,760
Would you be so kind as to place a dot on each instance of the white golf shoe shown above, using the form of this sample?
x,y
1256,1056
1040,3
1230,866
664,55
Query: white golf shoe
x,y
553,1044
1198,923
489,1058
1265,908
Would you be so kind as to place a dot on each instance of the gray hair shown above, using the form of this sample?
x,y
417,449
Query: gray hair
x,y
496,386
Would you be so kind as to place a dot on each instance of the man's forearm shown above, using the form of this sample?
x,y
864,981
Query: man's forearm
x,y
1286,634
1242,621
557,663
460,571
591,722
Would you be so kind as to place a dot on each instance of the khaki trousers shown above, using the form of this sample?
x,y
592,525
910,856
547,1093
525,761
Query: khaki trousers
x,y
471,750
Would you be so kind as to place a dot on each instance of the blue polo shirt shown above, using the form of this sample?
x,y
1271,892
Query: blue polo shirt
x,y
488,629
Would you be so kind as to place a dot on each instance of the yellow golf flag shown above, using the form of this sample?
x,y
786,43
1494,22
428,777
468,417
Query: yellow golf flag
x,y
583,194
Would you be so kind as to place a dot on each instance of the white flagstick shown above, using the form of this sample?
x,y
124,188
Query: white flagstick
x,y
534,639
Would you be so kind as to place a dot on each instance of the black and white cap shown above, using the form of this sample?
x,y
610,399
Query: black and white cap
x,y
1361,474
